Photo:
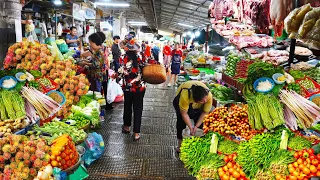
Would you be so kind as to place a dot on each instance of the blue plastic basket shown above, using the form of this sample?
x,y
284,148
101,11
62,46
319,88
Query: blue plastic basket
x,y
316,95
275,78
5,78
18,76
63,97
255,84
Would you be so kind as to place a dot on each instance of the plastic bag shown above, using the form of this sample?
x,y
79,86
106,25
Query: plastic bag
x,y
56,54
94,146
314,33
114,90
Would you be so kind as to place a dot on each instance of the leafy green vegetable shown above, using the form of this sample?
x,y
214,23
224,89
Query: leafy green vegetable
x,y
280,161
296,74
223,93
195,153
257,153
227,146
299,143
209,169
35,73
56,129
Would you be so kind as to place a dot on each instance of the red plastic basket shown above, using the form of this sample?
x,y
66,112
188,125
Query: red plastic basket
x,y
45,89
316,85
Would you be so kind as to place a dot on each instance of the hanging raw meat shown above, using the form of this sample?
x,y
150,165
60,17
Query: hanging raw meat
x,y
219,9
279,9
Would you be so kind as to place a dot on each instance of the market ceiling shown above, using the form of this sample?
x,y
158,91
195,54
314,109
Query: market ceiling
x,y
162,14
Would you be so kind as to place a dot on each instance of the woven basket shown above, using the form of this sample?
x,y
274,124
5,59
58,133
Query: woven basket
x,y
154,74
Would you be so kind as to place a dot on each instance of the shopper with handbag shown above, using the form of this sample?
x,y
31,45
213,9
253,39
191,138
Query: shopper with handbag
x,y
193,101
133,87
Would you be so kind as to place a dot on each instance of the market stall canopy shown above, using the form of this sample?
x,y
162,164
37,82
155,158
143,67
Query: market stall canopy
x,y
162,13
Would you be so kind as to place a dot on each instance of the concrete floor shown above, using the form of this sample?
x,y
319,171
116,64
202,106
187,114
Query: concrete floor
x,y
153,156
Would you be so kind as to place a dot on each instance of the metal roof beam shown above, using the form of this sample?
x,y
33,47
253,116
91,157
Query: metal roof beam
x,y
183,14
172,5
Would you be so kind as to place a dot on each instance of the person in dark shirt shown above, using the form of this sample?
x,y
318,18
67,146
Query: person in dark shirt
x,y
116,52
143,46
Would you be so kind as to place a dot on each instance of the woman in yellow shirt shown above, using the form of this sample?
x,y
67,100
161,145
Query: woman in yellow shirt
x,y
193,101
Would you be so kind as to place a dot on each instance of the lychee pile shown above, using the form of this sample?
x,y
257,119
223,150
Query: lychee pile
x,y
35,56
22,157
63,152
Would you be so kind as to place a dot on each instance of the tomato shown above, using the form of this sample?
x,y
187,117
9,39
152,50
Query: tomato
x,y
300,161
312,157
221,174
318,157
231,170
318,173
313,169
225,177
295,164
292,178
300,177
291,170
226,159
300,153
290,166
306,171
225,168
235,174
308,160
311,151
278,177
315,162
220,170
229,165
242,173
295,173
301,166
305,154
242,178
296,155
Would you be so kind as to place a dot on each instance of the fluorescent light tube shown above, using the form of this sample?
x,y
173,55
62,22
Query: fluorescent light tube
x,y
186,25
112,4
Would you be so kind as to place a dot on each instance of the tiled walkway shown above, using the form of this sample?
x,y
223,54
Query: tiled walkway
x,y
153,156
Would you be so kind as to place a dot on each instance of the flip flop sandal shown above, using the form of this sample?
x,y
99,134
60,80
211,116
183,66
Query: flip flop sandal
x,y
124,131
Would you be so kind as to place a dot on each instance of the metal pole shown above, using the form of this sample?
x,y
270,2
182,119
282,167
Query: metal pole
x,y
207,38
56,26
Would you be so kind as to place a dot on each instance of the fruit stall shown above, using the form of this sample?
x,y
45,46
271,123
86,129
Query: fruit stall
x,y
269,128
46,113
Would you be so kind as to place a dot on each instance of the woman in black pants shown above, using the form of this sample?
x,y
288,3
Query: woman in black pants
x,y
133,87
193,101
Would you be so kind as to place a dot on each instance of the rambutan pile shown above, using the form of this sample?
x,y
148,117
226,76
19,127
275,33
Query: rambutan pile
x,y
35,56
22,157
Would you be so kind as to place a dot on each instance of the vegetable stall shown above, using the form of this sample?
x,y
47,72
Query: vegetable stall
x,y
46,113
269,128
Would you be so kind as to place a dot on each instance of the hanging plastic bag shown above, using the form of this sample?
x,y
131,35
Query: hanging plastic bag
x,y
94,146
114,90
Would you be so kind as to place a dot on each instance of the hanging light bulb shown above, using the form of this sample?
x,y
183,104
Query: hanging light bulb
x,y
184,34
189,33
197,34
193,35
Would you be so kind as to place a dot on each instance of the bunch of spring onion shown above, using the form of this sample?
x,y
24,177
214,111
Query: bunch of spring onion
x,y
43,104
31,112
306,111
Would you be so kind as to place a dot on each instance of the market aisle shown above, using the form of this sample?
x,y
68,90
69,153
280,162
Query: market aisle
x,y
153,156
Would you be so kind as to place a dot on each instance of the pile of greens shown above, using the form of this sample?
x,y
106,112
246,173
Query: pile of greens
x,y
227,146
296,74
195,154
258,153
314,73
223,93
299,143
265,111
52,130
258,70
